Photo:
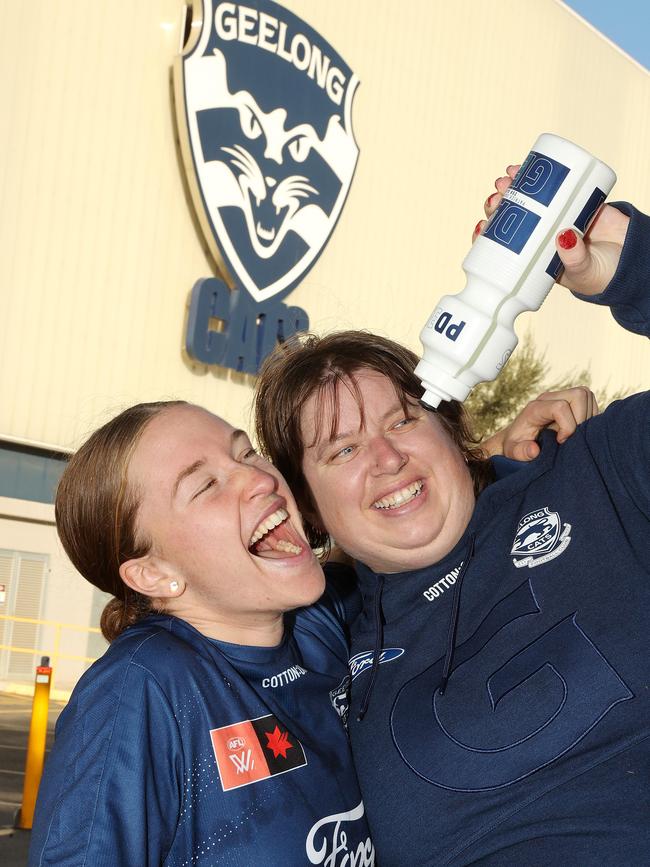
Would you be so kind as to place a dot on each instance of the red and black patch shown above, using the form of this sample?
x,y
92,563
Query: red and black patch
x,y
253,750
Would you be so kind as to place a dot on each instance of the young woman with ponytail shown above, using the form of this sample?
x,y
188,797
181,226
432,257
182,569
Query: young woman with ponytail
x,y
210,730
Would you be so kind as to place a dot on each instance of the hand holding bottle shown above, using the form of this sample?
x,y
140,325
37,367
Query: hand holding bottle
x,y
589,263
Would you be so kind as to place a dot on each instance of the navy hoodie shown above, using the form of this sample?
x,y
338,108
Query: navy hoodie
x,y
536,750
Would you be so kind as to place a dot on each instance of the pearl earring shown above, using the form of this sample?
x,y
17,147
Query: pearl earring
x,y
173,586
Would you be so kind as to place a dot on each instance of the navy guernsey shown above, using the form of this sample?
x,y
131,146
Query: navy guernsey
x,y
179,750
537,750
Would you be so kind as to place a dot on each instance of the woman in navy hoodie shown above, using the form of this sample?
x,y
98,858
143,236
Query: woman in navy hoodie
x,y
500,698
209,731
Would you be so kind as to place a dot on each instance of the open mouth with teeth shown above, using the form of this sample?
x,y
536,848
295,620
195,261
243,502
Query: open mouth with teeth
x,y
275,538
401,497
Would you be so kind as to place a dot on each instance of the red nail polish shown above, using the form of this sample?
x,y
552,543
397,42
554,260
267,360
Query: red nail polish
x,y
567,240
477,227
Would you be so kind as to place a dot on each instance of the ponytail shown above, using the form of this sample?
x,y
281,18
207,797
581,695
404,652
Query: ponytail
x,y
119,614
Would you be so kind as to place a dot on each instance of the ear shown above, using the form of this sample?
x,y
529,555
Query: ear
x,y
151,576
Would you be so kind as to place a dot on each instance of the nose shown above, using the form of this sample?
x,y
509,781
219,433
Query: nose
x,y
386,457
257,482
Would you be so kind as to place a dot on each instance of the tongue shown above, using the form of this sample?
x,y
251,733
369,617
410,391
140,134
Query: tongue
x,y
280,542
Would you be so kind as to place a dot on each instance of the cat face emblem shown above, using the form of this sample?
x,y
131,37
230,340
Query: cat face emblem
x,y
264,106
540,537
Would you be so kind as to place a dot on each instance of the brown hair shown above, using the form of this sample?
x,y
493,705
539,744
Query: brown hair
x,y
311,365
96,510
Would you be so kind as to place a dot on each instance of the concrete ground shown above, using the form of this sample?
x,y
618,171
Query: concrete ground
x,y
15,712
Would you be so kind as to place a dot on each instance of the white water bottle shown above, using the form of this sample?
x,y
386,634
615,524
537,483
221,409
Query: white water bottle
x,y
511,267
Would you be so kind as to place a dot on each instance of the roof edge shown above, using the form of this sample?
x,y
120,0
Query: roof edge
x,y
603,36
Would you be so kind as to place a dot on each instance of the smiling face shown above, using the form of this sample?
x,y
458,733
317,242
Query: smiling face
x,y
391,488
223,522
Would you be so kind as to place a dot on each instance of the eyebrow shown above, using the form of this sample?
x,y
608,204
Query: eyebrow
x,y
184,473
325,445
193,467
237,434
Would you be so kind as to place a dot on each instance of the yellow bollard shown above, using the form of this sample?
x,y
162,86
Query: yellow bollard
x,y
35,744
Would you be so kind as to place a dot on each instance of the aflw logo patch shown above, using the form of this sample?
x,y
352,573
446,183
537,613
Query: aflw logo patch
x,y
266,106
254,750
540,537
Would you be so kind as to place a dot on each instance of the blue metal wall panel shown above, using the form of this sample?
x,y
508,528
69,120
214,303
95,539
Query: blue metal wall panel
x,y
29,474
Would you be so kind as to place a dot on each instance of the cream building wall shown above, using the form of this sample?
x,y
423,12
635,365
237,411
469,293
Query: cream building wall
x,y
98,242
29,528
99,245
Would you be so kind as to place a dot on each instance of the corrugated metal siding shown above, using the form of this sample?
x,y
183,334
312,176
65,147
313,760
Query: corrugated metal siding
x,y
6,575
24,576
98,247
28,598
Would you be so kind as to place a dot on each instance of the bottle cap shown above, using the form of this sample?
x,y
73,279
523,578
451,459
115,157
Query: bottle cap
x,y
439,385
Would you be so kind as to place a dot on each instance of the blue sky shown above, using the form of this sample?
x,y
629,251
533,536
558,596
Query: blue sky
x,y
625,22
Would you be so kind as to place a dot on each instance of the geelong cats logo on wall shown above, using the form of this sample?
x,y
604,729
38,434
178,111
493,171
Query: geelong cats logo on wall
x,y
264,106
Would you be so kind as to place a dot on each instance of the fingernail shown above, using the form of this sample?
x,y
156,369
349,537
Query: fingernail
x,y
477,228
567,239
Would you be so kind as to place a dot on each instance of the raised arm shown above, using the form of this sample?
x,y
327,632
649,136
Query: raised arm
x,y
610,266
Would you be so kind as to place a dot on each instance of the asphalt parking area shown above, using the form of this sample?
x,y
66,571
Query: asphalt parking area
x,y
15,714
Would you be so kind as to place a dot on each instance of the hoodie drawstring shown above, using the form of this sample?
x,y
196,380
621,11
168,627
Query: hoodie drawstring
x,y
379,646
453,621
